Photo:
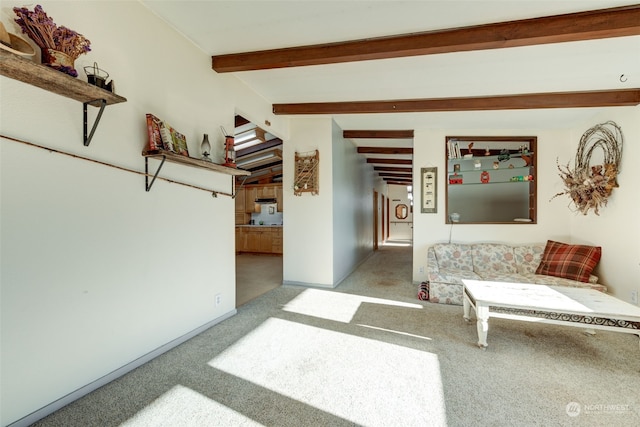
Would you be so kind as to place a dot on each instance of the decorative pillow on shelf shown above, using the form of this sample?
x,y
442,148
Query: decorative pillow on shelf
x,y
575,262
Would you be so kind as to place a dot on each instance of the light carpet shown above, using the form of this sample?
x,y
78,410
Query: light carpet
x,y
370,353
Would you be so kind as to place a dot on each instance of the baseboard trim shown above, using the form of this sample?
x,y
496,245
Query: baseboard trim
x,y
328,286
92,386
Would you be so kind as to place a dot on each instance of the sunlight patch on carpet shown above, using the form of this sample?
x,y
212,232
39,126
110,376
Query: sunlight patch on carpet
x,y
335,305
368,382
406,334
181,406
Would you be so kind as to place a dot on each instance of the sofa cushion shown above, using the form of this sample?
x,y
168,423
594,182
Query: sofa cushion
x,y
494,276
541,279
453,256
528,258
574,262
493,258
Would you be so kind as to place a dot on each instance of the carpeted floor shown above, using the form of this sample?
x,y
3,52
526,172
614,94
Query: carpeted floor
x,y
370,353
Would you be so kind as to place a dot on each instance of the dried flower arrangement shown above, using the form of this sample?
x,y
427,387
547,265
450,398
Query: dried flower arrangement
x,y
590,186
47,35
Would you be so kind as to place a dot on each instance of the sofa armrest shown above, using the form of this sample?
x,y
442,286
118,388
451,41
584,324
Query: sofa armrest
x,y
432,262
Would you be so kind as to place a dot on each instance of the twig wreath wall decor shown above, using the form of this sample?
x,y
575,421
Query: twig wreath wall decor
x,y
306,173
590,186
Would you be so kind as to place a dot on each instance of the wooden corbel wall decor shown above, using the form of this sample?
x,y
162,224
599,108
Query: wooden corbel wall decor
x,y
306,173
588,185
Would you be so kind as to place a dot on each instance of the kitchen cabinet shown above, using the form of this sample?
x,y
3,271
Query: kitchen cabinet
x,y
265,240
240,203
279,197
251,194
261,191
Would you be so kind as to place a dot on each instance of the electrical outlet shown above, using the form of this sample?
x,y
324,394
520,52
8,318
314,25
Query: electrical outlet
x,y
634,296
218,299
421,269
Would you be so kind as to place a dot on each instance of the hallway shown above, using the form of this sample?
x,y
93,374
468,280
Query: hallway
x,y
259,274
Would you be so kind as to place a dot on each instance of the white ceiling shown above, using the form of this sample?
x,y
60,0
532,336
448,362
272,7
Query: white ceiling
x,y
222,27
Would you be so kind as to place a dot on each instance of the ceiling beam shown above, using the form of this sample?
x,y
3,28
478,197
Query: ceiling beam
x,y
259,147
596,98
390,161
378,134
391,169
396,174
385,150
590,25
395,181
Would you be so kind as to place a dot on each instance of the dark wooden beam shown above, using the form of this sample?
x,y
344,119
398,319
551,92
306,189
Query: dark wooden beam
x,y
391,169
391,161
239,121
396,174
596,98
396,182
590,25
385,150
259,147
378,134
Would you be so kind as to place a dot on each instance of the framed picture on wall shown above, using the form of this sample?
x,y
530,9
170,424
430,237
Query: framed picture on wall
x,y
429,189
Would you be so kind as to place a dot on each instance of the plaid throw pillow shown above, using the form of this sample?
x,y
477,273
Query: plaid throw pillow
x,y
575,262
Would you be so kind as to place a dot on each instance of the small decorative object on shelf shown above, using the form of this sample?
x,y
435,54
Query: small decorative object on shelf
x,y
14,44
455,179
477,164
456,167
496,165
205,148
98,77
504,155
229,149
164,137
60,46
484,177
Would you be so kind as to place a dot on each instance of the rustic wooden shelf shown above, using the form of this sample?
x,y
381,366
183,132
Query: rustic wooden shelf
x,y
190,161
168,156
27,71
24,70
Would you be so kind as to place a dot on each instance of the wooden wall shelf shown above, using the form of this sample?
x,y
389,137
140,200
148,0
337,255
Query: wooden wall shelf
x,y
24,70
168,156
27,71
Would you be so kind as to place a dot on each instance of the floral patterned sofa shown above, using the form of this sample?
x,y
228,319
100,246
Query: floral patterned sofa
x,y
449,263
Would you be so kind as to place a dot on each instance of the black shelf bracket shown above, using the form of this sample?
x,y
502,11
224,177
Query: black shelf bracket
x,y
100,103
148,184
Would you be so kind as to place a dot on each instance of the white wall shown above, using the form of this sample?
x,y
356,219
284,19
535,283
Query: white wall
x,y
614,230
308,223
352,206
95,272
326,235
401,229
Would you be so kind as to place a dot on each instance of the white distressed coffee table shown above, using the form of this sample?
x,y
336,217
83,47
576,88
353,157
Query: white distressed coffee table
x,y
585,308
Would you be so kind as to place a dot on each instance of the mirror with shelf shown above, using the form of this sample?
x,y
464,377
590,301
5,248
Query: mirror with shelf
x,y
491,180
